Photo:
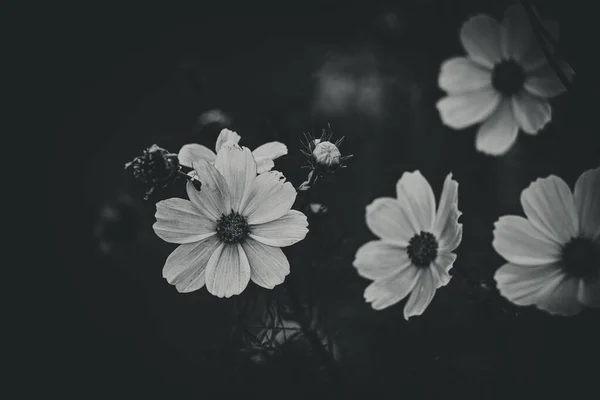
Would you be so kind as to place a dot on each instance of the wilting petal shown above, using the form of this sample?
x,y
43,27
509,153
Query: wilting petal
x,y
560,296
263,164
587,202
228,271
185,267
519,242
191,153
460,75
589,293
446,228
544,82
522,284
270,197
421,295
535,58
179,221
517,37
225,136
550,207
387,220
531,113
480,36
498,134
386,292
462,110
416,196
213,199
269,266
282,232
378,260
270,150
441,266
237,165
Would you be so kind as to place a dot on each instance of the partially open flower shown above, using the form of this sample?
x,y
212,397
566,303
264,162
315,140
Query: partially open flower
x,y
155,168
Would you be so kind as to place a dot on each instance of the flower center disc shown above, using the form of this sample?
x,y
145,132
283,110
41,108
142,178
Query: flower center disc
x,y
581,258
232,228
422,249
508,78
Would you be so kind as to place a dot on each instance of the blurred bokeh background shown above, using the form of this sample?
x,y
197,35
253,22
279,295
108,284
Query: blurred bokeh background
x,y
126,77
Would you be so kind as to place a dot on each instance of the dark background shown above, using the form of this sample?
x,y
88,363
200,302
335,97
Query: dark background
x,y
122,78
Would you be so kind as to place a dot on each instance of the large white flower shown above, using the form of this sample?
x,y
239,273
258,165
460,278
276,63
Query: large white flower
x,y
503,83
264,154
231,231
414,254
553,255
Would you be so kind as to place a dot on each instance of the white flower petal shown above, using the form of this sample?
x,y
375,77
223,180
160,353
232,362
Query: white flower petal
x,y
270,197
460,75
462,110
516,36
550,207
213,199
186,265
522,285
519,242
589,293
237,165
446,228
587,202
378,260
421,295
387,220
531,113
480,36
191,153
225,136
498,134
441,266
272,150
269,266
178,221
544,82
417,199
535,58
386,292
282,232
228,271
560,296
263,164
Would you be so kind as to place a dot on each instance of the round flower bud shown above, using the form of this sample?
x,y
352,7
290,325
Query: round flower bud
x,y
327,155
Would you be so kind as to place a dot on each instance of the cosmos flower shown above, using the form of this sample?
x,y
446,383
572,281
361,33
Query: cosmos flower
x,y
264,154
554,254
231,231
503,84
414,253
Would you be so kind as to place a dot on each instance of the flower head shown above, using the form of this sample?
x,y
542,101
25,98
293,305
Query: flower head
x,y
554,254
503,83
231,231
156,168
264,155
414,253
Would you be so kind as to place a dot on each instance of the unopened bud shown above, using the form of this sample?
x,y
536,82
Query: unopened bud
x,y
327,155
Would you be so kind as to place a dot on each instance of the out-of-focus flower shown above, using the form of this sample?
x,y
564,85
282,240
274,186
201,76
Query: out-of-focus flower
x,y
504,83
414,254
317,208
118,224
554,254
156,168
231,231
264,154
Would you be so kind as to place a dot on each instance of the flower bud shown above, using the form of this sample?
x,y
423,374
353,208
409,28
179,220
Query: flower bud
x,y
156,168
327,155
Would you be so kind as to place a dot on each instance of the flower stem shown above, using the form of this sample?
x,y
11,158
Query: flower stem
x,y
540,31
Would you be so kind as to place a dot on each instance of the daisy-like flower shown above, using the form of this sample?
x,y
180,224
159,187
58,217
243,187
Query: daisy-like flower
x,y
264,154
504,83
231,231
414,254
554,254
